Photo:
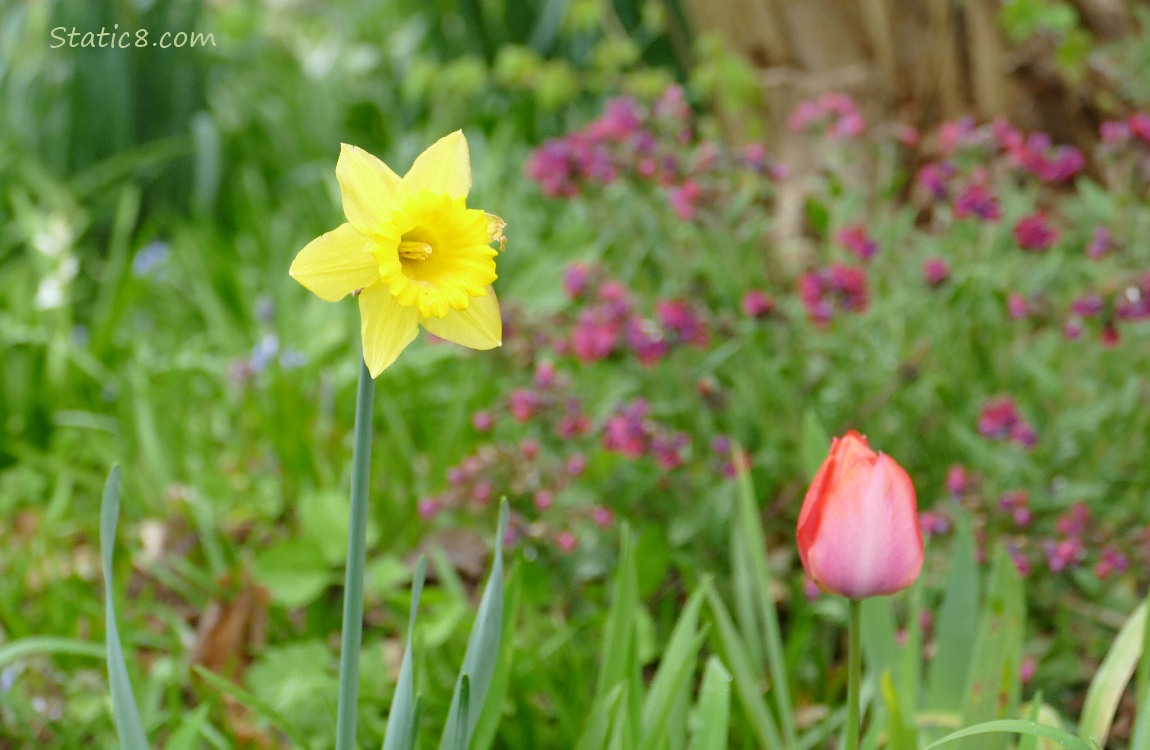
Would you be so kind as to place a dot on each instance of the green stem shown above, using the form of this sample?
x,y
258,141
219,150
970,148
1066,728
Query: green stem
x,y
854,675
356,555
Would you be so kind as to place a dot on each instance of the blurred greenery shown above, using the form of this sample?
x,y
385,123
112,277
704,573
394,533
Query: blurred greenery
x,y
151,201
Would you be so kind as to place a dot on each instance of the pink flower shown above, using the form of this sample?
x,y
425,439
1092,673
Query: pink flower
x,y
1017,305
757,304
935,178
543,499
977,200
482,421
855,239
1100,243
575,279
685,198
835,287
999,416
858,531
566,541
522,404
1034,233
935,271
681,319
958,480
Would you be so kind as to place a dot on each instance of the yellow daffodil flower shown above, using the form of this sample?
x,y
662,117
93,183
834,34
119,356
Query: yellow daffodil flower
x,y
411,250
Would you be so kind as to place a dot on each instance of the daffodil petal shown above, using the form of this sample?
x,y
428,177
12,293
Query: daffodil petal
x,y
371,191
478,327
336,264
445,167
387,327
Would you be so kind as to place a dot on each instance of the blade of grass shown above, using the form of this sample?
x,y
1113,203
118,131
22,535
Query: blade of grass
x,y
1030,742
482,647
459,742
730,645
25,647
252,702
675,667
749,532
957,625
900,736
993,687
714,710
620,628
187,736
1014,726
400,732
129,728
1109,682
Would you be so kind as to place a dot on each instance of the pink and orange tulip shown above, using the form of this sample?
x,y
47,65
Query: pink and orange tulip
x,y
858,531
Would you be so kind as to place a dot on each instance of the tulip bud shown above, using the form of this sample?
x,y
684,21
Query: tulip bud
x,y
858,531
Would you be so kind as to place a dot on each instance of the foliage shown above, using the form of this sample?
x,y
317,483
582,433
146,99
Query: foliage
x,y
678,305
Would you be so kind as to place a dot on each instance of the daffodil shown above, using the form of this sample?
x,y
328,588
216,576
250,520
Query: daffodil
x,y
411,251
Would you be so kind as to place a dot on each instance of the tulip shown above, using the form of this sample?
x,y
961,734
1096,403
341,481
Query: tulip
x,y
859,536
858,531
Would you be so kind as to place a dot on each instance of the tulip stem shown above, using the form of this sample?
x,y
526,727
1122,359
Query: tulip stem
x,y
356,555
854,675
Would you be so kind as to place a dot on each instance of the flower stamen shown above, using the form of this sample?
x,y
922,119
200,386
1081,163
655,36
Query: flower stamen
x,y
414,250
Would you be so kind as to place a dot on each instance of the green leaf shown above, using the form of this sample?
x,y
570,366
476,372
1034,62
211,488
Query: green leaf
x,y
1014,726
252,702
815,443
957,625
1110,680
713,714
401,725
187,736
746,680
1030,742
675,668
24,647
619,639
1141,734
488,723
749,561
482,649
294,571
901,736
129,728
993,686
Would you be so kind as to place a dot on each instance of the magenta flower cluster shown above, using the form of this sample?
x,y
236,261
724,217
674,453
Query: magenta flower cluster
x,y
1001,420
838,287
832,114
609,323
655,145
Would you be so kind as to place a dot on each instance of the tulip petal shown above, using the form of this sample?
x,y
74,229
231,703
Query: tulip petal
x,y
371,191
858,531
869,545
387,327
336,264
445,167
480,326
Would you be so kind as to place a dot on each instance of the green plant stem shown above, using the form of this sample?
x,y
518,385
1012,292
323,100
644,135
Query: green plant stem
x,y
854,675
356,554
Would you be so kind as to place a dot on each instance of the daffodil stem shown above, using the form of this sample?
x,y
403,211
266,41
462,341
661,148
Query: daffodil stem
x,y
854,675
356,555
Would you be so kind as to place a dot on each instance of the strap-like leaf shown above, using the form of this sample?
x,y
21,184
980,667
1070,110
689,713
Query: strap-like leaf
x,y
127,716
